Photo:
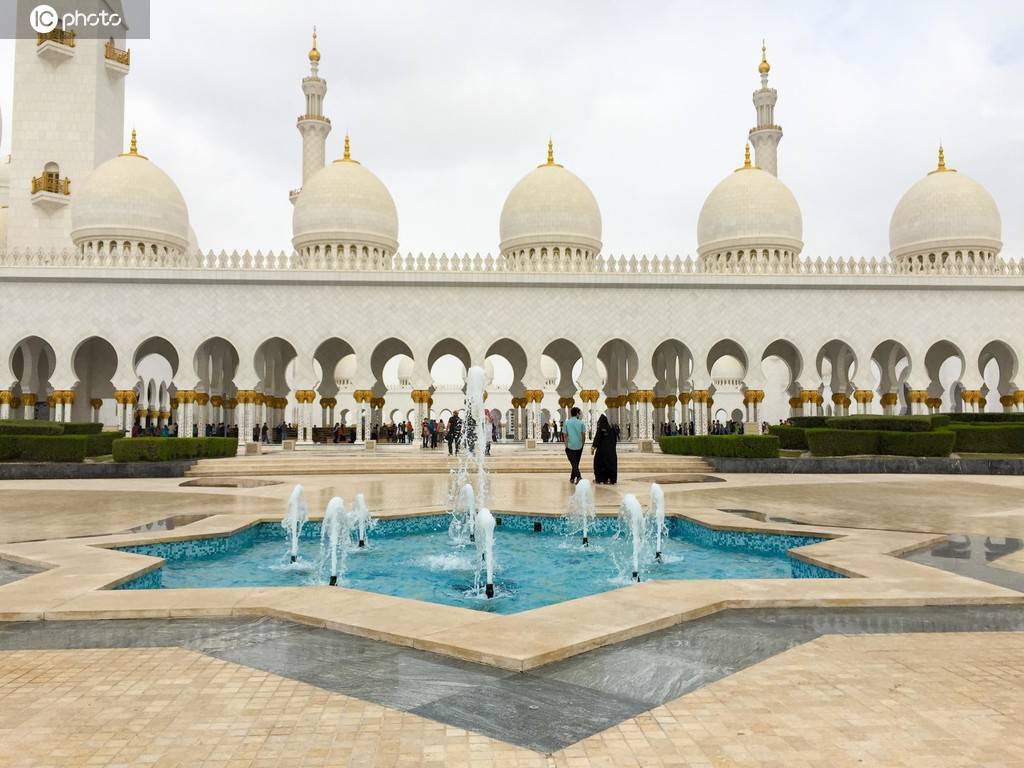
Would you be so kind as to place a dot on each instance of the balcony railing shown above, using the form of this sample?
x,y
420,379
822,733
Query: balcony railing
x,y
51,183
57,35
117,55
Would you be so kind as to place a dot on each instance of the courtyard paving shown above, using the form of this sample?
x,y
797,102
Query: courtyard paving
x,y
836,697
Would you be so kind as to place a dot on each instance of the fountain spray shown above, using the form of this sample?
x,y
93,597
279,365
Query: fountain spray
x,y
581,509
485,536
295,518
634,514
472,442
658,512
467,503
331,531
362,517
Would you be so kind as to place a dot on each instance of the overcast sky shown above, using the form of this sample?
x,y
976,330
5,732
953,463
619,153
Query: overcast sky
x,y
451,103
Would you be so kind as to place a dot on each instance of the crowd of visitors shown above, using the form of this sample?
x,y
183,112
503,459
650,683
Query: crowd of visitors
x,y
171,430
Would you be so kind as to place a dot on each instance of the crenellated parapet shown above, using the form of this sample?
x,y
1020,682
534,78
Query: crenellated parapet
x,y
363,261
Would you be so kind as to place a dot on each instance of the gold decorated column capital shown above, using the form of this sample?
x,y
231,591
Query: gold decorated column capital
x,y
202,398
889,398
28,399
6,397
96,403
244,396
863,395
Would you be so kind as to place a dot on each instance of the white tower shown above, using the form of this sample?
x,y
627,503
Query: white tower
x,y
313,126
766,135
68,118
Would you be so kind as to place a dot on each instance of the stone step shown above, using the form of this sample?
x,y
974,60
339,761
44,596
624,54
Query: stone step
x,y
314,462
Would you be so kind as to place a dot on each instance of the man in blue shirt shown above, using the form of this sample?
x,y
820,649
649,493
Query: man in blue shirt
x,y
575,435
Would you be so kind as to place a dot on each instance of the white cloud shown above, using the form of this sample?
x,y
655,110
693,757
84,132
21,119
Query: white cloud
x,y
450,103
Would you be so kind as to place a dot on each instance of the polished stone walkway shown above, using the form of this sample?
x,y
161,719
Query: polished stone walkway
x,y
546,709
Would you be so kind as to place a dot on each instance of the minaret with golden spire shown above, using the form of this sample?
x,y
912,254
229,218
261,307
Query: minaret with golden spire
x,y
313,125
766,135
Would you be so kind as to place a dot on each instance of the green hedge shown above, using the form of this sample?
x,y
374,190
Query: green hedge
x,y
881,423
82,428
940,420
985,438
102,443
992,418
28,427
807,422
864,442
792,438
62,448
734,446
8,447
174,448
916,443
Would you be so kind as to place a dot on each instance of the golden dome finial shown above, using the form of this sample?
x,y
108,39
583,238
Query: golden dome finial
x,y
133,147
551,152
764,67
746,159
348,153
941,167
314,54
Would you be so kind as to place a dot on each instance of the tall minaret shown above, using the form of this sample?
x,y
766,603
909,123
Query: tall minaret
x,y
313,126
766,135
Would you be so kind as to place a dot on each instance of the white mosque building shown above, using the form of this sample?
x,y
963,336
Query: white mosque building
x,y
113,313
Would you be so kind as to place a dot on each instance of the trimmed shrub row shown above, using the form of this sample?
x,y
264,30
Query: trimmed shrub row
x,y
43,447
992,418
792,438
174,448
28,427
808,422
881,423
733,446
856,442
985,438
101,443
82,428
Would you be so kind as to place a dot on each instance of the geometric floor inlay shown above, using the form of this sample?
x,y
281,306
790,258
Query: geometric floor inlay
x,y
545,709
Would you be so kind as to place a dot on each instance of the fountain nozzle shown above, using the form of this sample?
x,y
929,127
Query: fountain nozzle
x,y
489,591
362,543
334,581
586,541
657,556
636,576
293,558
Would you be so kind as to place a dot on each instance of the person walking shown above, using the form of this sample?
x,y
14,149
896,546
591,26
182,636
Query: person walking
x,y
606,461
575,436
452,433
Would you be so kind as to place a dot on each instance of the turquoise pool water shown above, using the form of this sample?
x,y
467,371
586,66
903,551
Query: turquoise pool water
x,y
416,558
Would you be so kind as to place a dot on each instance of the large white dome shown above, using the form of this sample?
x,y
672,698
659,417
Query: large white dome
x,y
344,204
750,209
944,214
130,199
550,207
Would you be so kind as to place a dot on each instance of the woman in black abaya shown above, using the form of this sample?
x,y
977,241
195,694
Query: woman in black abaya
x,y
606,463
